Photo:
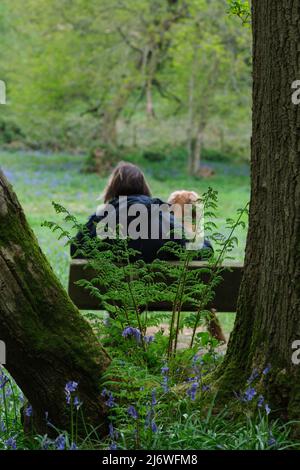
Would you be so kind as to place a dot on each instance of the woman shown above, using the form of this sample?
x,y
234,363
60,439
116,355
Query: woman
x,y
146,222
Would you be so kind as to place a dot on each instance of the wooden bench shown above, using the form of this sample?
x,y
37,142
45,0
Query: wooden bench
x,y
225,296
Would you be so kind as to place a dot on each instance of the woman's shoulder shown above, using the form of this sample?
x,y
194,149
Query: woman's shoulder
x,y
145,200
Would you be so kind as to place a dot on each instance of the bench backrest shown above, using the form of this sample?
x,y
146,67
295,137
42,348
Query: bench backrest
x,y
225,296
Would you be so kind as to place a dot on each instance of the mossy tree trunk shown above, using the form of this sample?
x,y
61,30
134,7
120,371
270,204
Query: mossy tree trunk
x,y
268,314
48,342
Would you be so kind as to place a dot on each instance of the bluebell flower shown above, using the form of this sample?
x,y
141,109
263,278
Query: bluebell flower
x,y
11,443
165,370
205,388
104,393
165,384
260,401
149,339
111,401
249,394
73,446
77,403
2,426
267,369
134,332
192,391
113,446
71,387
60,442
28,411
154,427
132,412
268,409
272,441
154,401
46,443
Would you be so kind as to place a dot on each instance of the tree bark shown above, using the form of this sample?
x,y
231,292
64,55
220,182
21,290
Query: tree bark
x,y
268,314
48,343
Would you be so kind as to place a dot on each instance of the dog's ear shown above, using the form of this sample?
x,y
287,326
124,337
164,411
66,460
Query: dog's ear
x,y
173,197
193,196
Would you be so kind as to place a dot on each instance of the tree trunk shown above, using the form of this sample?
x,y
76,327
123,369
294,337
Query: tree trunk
x,y
48,343
268,314
197,149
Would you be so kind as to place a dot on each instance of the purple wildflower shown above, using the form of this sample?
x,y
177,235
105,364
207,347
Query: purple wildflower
x,y
268,409
260,401
205,388
46,443
154,401
77,403
272,441
11,443
165,384
134,332
113,446
132,412
192,391
154,427
267,369
164,370
73,446
104,393
28,411
249,394
111,401
71,387
60,442
149,339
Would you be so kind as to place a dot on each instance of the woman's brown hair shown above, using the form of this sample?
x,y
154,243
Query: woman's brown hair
x,y
126,180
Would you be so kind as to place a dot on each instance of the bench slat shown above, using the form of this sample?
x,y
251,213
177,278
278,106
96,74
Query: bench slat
x,y
225,296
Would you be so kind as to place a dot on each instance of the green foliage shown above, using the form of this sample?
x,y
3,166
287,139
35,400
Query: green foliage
x,y
240,8
120,72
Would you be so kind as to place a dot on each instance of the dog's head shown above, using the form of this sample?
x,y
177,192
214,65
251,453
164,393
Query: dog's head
x,y
183,197
180,201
